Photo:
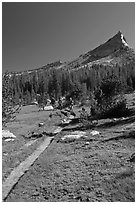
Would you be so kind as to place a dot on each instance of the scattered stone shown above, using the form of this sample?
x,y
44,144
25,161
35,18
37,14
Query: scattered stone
x,y
65,121
71,136
71,117
94,132
48,108
41,124
6,134
79,132
74,135
8,140
114,119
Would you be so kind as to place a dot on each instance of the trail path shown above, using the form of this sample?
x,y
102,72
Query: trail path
x,y
22,168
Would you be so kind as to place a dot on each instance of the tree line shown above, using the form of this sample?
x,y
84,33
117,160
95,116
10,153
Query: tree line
x,y
77,83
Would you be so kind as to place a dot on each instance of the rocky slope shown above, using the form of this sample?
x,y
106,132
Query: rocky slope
x,y
115,50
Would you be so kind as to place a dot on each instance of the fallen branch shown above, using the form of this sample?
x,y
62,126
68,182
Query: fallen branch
x,y
117,122
125,135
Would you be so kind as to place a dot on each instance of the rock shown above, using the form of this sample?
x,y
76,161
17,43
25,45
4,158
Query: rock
x,y
114,119
79,132
41,124
94,132
71,117
8,140
74,135
48,108
65,122
7,134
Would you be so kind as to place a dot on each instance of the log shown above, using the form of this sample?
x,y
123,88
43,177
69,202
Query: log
x,y
125,135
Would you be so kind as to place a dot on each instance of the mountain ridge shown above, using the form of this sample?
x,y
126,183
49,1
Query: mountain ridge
x,y
108,49
115,43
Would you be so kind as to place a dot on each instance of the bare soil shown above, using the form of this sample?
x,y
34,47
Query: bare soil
x,y
92,169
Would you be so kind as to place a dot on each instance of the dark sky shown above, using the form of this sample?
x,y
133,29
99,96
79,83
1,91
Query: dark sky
x,y
34,34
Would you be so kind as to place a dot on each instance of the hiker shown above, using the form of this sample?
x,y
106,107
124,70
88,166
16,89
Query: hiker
x,y
71,103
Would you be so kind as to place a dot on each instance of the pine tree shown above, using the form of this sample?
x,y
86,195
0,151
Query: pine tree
x,y
7,99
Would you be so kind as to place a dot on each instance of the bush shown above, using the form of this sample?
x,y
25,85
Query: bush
x,y
75,92
110,86
115,109
106,103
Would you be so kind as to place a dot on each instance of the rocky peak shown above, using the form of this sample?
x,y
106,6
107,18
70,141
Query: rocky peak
x,y
114,44
120,38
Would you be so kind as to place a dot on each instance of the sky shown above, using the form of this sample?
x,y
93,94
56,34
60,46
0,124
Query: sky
x,y
35,34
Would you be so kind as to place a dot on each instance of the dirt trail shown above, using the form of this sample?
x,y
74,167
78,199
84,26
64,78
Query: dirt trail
x,y
22,168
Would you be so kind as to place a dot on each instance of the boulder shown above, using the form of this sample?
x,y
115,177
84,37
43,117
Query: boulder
x,y
48,108
94,132
74,135
7,134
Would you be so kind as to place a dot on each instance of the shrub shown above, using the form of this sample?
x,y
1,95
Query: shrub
x,y
75,92
106,102
8,102
110,86
115,109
